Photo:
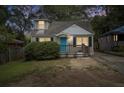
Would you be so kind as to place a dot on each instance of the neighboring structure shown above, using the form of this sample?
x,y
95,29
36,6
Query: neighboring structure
x,y
74,37
112,39
14,51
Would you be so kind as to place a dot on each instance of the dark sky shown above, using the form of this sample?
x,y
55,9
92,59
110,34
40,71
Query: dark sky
x,y
91,12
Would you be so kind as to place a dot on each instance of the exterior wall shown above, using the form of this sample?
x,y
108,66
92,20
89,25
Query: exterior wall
x,y
33,39
46,25
106,43
57,39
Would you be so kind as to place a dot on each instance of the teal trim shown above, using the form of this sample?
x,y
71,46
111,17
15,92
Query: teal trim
x,y
63,43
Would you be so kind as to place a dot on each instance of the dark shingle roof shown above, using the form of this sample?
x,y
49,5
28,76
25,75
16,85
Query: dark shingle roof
x,y
119,30
58,26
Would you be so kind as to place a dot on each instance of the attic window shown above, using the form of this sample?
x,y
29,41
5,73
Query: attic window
x,y
41,25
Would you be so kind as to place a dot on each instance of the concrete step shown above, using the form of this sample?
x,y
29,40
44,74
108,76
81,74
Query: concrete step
x,y
81,54
78,54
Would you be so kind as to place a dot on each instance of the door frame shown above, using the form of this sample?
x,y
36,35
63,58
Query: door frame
x,y
63,47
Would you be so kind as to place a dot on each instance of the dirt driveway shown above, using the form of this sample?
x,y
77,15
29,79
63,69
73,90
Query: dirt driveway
x,y
80,72
115,62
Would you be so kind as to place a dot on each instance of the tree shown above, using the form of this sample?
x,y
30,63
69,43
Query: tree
x,y
100,26
116,15
21,19
4,14
3,19
113,19
64,12
6,34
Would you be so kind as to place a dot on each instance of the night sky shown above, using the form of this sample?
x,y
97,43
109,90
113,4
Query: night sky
x,y
98,10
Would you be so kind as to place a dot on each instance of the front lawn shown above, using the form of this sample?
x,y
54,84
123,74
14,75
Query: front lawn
x,y
16,70
60,72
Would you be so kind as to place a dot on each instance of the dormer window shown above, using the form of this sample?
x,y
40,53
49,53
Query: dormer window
x,y
41,24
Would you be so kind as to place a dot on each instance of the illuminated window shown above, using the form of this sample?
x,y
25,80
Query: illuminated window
x,y
115,37
41,25
70,39
82,40
44,39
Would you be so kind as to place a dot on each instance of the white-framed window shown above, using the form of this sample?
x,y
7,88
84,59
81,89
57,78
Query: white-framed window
x,y
44,39
41,24
82,40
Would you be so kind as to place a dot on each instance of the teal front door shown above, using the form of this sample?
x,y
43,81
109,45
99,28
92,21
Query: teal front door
x,y
63,44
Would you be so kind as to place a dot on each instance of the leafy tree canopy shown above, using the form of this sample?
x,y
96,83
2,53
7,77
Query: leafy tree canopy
x,y
65,12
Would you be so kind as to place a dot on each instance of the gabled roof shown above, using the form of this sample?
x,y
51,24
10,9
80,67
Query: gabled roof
x,y
119,30
75,30
58,26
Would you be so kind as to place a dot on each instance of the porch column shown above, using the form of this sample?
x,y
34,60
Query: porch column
x,y
92,46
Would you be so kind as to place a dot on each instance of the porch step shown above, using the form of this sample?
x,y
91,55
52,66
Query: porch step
x,y
78,54
81,54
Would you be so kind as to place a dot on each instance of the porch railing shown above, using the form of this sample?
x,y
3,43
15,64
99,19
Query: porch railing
x,y
73,49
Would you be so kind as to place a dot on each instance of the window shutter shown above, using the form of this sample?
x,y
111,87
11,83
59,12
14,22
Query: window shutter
x,y
37,39
74,41
90,41
51,38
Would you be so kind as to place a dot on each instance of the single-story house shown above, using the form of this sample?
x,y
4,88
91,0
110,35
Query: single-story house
x,y
73,36
112,39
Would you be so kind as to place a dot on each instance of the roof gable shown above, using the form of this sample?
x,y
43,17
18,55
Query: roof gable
x,y
75,30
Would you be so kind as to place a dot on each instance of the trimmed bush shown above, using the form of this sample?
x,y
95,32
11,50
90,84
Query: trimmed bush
x,y
29,50
41,50
118,49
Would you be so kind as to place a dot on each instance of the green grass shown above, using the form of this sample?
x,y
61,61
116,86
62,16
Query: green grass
x,y
17,70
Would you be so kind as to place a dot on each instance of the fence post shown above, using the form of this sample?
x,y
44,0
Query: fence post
x,y
9,54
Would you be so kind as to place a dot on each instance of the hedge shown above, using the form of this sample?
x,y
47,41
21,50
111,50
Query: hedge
x,y
41,50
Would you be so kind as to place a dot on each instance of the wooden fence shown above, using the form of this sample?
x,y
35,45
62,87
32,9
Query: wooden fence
x,y
12,54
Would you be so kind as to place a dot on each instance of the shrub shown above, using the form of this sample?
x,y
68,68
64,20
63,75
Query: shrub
x,y
118,49
29,50
42,50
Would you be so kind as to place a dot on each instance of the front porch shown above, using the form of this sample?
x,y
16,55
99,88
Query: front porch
x,y
75,45
74,51
75,41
